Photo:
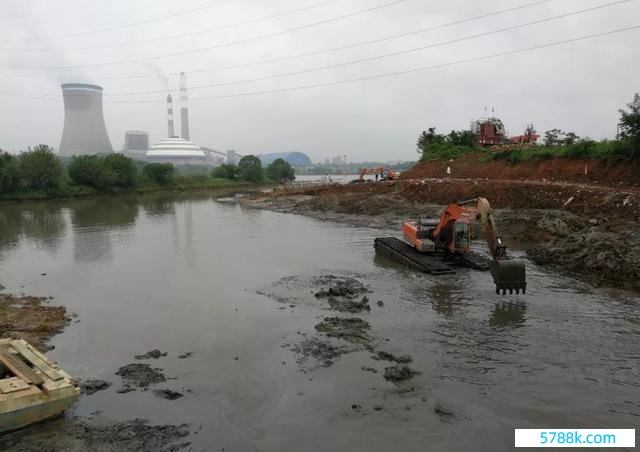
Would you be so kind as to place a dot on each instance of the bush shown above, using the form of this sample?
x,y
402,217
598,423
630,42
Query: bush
x,y
581,149
9,173
125,171
250,169
513,156
280,171
438,151
159,173
225,171
544,154
91,171
40,168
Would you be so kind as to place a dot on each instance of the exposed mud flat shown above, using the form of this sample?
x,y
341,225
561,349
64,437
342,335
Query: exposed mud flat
x,y
602,256
34,320
586,231
31,319
78,435
335,336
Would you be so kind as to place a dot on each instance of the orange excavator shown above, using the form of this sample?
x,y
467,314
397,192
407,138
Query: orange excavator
x,y
452,234
380,172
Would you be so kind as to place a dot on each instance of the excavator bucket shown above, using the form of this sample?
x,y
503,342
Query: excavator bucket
x,y
509,275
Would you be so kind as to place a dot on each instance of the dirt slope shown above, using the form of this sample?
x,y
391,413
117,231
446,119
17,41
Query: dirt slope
x,y
611,173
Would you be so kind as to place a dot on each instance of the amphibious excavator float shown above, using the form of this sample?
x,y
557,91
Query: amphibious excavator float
x,y
435,246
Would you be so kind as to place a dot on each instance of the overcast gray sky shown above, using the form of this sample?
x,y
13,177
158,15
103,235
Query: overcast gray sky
x,y
577,86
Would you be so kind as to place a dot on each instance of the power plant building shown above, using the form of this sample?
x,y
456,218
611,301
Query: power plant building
x,y
178,150
84,129
136,143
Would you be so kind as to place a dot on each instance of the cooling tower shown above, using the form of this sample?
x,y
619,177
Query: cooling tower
x,y
84,130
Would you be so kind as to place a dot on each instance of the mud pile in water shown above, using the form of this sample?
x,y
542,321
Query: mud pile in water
x,y
398,373
343,294
31,319
351,329
137,375
321,350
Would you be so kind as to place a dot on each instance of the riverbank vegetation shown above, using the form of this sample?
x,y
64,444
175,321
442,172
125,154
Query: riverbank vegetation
x,y
555,143
250,169
39,174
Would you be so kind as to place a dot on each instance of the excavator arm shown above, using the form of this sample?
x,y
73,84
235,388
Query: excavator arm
x,y
507,274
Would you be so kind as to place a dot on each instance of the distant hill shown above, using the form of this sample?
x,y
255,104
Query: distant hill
x,y
293,158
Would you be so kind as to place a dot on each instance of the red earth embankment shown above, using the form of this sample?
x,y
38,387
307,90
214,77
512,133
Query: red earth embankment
x,y
620,206
476,166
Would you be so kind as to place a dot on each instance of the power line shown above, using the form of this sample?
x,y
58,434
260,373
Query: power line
x,y
181,35
319,52
374,76
218,46
387,55
122,27
419,69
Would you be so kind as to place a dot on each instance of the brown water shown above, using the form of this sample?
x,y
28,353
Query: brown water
x,y
183,274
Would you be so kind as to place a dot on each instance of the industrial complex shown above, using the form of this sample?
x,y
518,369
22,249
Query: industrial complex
x,y
85,133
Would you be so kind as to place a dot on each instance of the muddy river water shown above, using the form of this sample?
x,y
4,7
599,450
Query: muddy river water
x,y
235,287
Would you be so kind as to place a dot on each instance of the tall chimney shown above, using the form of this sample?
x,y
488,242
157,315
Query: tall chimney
x,y
170,116
184,110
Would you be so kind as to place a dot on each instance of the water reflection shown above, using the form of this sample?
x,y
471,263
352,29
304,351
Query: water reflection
x,y
444,298
95,221
42,223
96,212
159,207
508,314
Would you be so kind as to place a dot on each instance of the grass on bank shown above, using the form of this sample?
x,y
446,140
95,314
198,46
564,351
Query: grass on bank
x,y
584,149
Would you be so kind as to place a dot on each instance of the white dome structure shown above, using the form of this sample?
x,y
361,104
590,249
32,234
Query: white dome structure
x,y
177,151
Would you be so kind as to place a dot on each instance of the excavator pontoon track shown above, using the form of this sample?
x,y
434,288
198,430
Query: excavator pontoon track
x,y
430,263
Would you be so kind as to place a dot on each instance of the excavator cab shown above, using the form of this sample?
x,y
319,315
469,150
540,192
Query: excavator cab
x,y
461,240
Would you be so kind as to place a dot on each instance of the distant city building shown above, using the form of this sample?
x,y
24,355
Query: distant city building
x,y
293,158
84,131
136,143
339,160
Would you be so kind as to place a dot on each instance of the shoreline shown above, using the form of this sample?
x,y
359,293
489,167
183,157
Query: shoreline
x,y
232,187
586,232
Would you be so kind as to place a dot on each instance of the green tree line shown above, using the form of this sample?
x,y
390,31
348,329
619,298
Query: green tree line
x,y
250,169
555,142
40,173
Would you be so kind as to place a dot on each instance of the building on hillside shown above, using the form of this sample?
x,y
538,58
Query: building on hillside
x,y
293,158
